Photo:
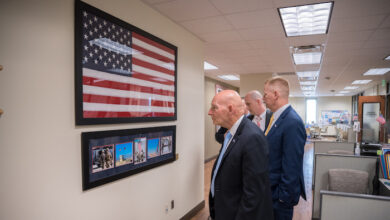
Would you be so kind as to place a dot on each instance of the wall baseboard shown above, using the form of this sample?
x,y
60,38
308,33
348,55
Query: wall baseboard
x,y
193,211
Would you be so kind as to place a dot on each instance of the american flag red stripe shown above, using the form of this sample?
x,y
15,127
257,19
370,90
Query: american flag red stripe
x,y
152,54
124,86
151,42
105,114
149,78
152,66
125,101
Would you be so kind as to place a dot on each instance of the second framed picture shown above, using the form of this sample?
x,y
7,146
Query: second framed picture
x,y
115,154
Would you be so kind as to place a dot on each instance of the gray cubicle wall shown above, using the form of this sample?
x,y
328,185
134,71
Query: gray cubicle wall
x,y
351,206
325,146
324,162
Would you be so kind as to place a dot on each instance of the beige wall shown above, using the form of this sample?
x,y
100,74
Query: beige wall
x,y
40,160
250,82
211,145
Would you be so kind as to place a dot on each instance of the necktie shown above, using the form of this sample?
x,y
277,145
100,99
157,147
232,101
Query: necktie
x,y
258,120
224,146
269,124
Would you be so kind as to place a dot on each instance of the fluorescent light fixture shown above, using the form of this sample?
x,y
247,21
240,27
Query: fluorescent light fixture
x,y
361,81
308,88
208,66
308,93
229,77
308,83
339,95
307,58
343,92
376,71
351,87
387,58
312,74
306,19
307,78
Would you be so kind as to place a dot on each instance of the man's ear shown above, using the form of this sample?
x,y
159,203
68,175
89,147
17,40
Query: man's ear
x,y
230,108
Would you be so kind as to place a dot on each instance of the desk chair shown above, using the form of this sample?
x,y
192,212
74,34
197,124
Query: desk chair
x,y
348,180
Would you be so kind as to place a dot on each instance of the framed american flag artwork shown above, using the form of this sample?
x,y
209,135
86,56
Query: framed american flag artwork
x,y
122,73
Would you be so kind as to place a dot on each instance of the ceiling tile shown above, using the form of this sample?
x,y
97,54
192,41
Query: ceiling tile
x,y
238,45
261,33
207,25
349,36
359,8
263,18
223,36
234,6
356,23
182,10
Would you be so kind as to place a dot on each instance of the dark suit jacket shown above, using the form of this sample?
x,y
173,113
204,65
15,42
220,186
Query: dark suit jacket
x,y
241,186
286,141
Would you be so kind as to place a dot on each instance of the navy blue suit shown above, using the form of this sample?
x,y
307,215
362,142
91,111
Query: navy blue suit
x,y
286,141
241,187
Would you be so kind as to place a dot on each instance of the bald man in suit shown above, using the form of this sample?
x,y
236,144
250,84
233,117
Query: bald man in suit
x,y
239,187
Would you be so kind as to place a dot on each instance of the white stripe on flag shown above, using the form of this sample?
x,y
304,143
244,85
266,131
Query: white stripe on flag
x,y
154,73
157,50
125,79
168,66
124,108
94,90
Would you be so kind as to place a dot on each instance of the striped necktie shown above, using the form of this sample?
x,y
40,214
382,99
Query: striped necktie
x,y
269,124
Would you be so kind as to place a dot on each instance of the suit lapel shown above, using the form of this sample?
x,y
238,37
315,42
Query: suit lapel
x,y
279,121
235,139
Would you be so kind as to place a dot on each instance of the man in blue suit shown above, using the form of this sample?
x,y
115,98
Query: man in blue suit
x,y
239,188
286,137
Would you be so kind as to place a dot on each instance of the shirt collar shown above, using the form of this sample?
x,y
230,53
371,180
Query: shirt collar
x,y
262,115
278,112
233,129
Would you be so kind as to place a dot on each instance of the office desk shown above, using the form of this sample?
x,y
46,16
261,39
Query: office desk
x,y
384,187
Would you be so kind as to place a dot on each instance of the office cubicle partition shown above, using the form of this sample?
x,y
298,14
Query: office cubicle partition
x,y
324,162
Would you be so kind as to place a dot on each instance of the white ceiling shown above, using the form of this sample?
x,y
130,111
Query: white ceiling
x,y
247,37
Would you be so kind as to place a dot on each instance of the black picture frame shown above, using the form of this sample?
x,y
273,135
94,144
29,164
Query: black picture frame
x,y
115,154
123,74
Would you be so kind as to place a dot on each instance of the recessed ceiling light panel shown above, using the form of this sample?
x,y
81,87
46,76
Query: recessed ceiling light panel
x,y
351,87
357,82
229,77
208,66
307,58
312,74
306,19
376,71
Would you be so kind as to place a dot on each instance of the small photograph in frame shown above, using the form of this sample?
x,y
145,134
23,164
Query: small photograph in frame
x,y
123,154
166,145
153,147
139,150
102,158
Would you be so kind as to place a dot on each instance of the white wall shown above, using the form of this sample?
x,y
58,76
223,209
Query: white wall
x,y
40,160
